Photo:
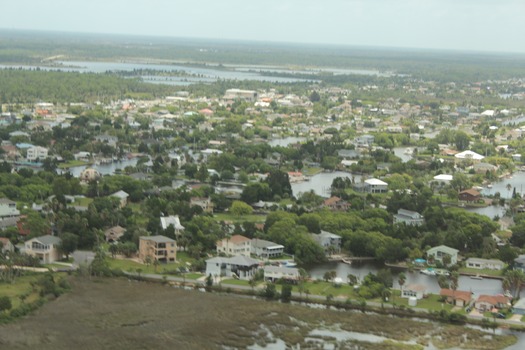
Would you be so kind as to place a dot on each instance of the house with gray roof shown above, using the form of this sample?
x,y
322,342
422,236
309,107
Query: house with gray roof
x,y
439,252
45,248
266,249
241,267
408,217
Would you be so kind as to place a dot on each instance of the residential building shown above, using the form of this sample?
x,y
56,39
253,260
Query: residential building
x,y
242,267
336,204
519,263
414,290
110,140
329,241
482,168
8,208
6,246
375,186
519,307
45,248
364,140
266,249
235,94
470,195
204,202
489,302
437,254
172,220
468,156
122,197
408,217
157,248
234,245
489,264
36,153
276,273
114,233
456,297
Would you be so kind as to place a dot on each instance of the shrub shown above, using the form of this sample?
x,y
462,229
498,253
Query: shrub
x,y
5,303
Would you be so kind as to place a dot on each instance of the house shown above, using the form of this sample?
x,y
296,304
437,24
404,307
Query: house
x,y
489,302
241,267
439,252
203,202
234,245
375,186
172,220
36,153
45,248
519,307
8,208
8,222
414,290
408,217
329,241
114,233
277,273
489,264
468,156
364,140
519,263
336,204
122,197
456,297
470,195
6,245
157,248
110,140
266,249
482,168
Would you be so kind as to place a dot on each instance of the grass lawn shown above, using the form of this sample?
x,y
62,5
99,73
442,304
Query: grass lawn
x,y
193,276
236,218
83,202
327,288
312,171
21,286
432,302
235,282
72,163
482,272
131,266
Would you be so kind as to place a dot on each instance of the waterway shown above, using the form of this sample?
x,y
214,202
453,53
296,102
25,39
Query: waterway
x,y
516,181
361,269
321,183
286,141
104,169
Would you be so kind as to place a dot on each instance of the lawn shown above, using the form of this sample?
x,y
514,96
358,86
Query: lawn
x,y
21,286
72,163
235,282
131,266
487,272
431,302
83,201
327,288
312,171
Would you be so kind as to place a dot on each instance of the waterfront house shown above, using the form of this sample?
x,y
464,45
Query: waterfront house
x,y
489,302
36,153
241,267
470,195
468,156
408,217
6,246
364,140
456,297
375,186
157,248
45,248
276,273
414,290
437,254
329,241
336,204
489,264
234,245
266,249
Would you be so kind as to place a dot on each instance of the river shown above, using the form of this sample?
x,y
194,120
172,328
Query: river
x,y
103,169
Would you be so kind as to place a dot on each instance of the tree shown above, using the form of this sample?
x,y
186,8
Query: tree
x,y
514,281
279,183
461,140
5,303
401,279
270,291
286,293
202,173
315,97
507,254
240,208
68,243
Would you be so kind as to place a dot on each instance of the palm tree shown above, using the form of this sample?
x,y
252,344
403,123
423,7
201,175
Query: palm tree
x,y
514,281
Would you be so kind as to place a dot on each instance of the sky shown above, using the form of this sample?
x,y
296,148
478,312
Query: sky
x,y
474,25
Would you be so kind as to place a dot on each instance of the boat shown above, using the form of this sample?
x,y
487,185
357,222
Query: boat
x,y
428,272
409,151
347,261
489,186
441,272
476,277
290,264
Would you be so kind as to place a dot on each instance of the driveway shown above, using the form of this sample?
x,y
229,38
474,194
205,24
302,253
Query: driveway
x,y
82,257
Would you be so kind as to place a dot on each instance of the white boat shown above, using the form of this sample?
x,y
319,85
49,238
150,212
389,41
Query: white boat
x,y
409,151
489,186
476,277
290,264
347,261
428,272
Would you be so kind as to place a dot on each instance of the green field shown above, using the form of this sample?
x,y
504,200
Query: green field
x,y
236,218
21,286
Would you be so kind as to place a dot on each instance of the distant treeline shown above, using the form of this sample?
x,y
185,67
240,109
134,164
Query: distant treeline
x,y
29,86
27,47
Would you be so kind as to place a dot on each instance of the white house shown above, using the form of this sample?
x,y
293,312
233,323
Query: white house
x,y
276,273
45,248
36,153
122,197
414,290
172,220
437,253
328,240
408,217
469,155
8,208
241,267
490,264
375,186
234,245
266,249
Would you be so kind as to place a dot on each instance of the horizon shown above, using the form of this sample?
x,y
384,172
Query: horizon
x,y
465,25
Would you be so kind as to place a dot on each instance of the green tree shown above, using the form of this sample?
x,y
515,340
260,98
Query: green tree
x,y
514,281
68,243
202,173
286,293
461,140
5,303
239,208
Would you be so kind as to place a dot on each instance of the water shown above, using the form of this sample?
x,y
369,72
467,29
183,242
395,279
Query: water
x,y
103,169
286,141
321,183
516,180
491,211
361,269
400,152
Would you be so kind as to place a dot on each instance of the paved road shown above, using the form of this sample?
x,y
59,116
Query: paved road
x,y
82,257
